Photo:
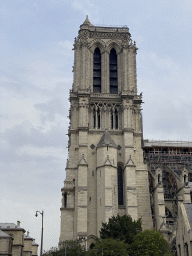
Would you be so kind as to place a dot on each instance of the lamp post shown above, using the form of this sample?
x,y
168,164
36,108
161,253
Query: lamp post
x,y
41,231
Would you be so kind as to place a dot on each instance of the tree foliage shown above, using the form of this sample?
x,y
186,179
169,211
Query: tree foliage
x,y
149,243
121,227
70,247
110,247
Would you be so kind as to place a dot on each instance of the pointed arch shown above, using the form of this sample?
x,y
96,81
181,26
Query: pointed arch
x,y
120,181
97,71
113,44
113,80
97,43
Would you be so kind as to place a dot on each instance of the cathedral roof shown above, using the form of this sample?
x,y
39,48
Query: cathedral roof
x,y
106,141
3,234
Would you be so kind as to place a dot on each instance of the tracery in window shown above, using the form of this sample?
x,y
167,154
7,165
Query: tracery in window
x,y
97,71
105,115
113,71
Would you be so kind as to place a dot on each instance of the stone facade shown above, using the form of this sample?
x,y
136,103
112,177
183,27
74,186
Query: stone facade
x,y
34,248
27,250
17,234
13,241
6,242
110,169
105,172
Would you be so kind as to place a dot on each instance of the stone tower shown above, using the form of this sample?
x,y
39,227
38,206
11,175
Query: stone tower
x,y
105,173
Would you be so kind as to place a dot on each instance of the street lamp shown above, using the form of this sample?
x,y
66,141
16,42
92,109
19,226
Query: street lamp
x,y
41,231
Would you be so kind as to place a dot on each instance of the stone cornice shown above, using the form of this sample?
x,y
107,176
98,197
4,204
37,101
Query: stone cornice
x,y
137,134
67,209
131,130
83,129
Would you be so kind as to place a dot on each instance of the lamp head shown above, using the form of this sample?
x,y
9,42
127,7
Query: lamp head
x,y
36,214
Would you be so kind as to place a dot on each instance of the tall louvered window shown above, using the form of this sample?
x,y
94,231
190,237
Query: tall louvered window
x,y
97,71
120,185
113,71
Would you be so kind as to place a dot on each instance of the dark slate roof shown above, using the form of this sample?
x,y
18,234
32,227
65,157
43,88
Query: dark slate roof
x,y
188,208
3,234
106,141
7,225
27,237
34,244
10,226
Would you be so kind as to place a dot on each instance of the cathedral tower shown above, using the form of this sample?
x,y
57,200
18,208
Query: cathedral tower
x,y
105,173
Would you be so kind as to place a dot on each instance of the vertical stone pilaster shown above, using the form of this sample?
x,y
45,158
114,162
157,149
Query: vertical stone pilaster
x,y
82,198
158,199
83,67
119,72
131,190
103,72
77,68
132,81
107,84
125,73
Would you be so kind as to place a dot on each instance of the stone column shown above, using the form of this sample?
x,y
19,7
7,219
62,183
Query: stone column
x,y
107,83
132,79
125,71
131,190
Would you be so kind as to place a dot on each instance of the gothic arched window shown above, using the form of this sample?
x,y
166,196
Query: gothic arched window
x,y
120,185
97,71
113,71
65,200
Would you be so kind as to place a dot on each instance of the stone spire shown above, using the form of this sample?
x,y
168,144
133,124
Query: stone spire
x,y
87,22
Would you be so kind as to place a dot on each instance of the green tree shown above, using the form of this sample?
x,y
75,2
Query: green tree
x,y
149,243
68,248
121,227
110,247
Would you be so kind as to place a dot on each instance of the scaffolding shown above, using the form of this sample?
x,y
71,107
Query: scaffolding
x,y
171,158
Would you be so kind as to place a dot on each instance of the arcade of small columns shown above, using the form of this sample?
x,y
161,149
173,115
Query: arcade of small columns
x,y
109,116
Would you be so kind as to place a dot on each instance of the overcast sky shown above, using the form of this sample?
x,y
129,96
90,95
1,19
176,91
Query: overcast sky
x,y
36,38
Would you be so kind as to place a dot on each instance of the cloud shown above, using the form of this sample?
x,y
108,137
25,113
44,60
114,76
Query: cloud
x,y
167,109
51,109
86,7
27,134
66,47
4,11
165,63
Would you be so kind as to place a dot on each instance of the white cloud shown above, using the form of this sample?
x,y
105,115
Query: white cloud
x,y
66,45
164,62
41,152
4,11
86,7
16,110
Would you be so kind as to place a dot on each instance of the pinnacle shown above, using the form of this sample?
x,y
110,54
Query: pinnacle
x,y
87,22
